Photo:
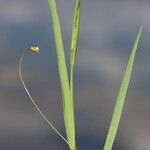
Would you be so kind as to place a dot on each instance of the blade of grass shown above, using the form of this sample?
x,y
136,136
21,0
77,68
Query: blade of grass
x,y
63,75
74,43
34,103
121,97
75,33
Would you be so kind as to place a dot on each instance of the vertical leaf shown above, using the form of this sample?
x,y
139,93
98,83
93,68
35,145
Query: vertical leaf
x,y
121,97
74,43
75,32
62,69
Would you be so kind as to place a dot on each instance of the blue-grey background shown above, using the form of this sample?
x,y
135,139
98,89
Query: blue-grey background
x,y
107,33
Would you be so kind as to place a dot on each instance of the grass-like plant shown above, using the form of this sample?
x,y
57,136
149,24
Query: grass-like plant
x,y
67,83
121,97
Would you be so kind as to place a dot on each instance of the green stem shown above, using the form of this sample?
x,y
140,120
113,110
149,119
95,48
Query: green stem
x,y
72,99
33,101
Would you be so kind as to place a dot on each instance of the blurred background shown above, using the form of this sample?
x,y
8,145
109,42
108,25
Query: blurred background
x,y
107,33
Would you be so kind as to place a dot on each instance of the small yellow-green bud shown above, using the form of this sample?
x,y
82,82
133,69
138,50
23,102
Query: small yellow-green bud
x,y
34,49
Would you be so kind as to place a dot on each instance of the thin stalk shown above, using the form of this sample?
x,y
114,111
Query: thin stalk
x,y
33,101
121,97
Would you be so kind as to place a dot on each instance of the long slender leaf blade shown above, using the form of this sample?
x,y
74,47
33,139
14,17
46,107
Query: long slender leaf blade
x,y
75,33
121,96
74,43
62,69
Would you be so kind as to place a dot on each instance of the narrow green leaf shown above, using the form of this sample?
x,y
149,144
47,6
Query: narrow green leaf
x,y
63,75
121,97
75,32
74,43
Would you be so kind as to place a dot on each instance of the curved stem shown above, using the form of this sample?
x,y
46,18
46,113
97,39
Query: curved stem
x,y
33,102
